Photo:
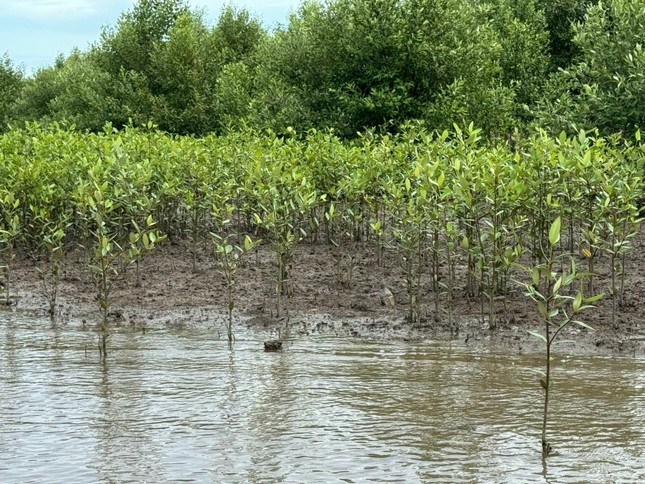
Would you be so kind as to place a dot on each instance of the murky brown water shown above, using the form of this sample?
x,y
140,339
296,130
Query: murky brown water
x,y
180,406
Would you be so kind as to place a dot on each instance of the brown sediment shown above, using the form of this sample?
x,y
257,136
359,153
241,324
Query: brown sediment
x,y
172,295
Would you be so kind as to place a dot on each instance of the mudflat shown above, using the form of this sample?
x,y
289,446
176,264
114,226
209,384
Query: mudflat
x,y
324,300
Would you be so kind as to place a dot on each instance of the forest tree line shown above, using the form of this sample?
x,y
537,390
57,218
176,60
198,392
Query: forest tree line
x,y
349,65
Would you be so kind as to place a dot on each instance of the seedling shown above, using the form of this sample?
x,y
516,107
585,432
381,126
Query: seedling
x,y
556,309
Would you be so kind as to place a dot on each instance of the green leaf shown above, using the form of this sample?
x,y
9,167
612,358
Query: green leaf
x,y
595,298
248,243
554,231
542,309
536,276
577,302
563,342
584,325
537,335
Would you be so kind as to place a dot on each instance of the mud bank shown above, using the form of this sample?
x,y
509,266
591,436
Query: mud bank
x,y
173,296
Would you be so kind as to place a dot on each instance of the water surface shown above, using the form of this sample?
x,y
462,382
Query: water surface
x,y
179,405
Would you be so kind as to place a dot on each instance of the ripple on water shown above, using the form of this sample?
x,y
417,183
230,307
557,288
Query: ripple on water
x,y
181,406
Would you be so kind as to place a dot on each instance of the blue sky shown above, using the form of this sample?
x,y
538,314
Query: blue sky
x,y
34,32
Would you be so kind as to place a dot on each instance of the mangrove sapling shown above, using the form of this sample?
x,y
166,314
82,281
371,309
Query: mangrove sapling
x,y
51,248
195,194
618,222
465,213
621,225
285,198
341,237
409,230
10,229
590,240
137,206
380,241
228,257
109,253
451,236
556,309
498,230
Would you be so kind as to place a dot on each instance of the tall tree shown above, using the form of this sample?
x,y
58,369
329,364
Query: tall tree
x,y
523,35
351,64
11,82
606,87
561,15
130,44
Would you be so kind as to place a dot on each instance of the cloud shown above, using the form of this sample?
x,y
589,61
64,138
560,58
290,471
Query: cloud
x,y
42,9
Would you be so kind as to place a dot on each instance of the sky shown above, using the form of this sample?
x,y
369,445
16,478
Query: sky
x,y
34,32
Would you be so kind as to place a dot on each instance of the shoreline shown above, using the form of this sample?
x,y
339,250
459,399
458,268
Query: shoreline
x,y
172,296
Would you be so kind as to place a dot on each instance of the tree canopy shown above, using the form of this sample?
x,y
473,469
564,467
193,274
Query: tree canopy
x,y
350,65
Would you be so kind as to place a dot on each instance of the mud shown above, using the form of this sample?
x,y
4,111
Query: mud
x,y
324,302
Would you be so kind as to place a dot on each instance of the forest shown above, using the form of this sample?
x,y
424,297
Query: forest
x,y
349,66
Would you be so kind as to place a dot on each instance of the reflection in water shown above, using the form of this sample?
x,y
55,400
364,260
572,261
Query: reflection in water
x,y
171,406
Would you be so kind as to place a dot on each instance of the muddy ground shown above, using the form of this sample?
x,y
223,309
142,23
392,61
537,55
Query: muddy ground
x,y
172,295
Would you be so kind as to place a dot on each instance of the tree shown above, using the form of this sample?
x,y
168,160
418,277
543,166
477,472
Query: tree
x,y
606,87
129,46
560,16
352,64
82,93
187,65
523,35
11,82
183,75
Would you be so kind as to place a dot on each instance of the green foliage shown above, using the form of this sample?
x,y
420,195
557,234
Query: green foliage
x,y
446,205
228,254
351,64
605,88
131,44
10,228
556,307
11,83
561,16
523,36
284,197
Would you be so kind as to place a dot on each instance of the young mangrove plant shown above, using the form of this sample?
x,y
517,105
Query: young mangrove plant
x,y
343,227
51,258
620,222
285,197
557,310
228,257
195,196
10,229
110,253
408,208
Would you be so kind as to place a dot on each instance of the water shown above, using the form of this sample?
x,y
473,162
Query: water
x,y
179,406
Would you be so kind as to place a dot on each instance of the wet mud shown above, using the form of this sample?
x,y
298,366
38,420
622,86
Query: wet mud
x,y
324,301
